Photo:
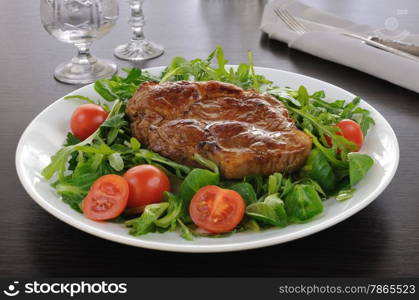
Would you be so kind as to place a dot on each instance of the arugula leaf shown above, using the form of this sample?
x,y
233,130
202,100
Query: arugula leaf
x,y
102,148
88,100
58,163
115,123
116,161
144,224
256,84
201,70
318,118
338,141
122,88
303,96
319,95
350,107
329,153
80,97
243,72
72,163
359,165
185,232
362,117
71,194
219,55
117,120
149,156
74,188
60,159
135,144
103,88
270,211
173,212
179,68
71,139
133,75
302,203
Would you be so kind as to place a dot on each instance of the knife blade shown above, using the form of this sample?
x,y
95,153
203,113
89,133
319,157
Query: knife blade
x,y
382,46
402,46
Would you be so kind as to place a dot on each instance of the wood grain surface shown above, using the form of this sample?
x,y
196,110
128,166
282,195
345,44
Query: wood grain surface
x,y
382,240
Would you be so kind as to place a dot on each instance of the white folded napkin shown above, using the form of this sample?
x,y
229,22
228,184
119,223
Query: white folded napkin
x,y
325,40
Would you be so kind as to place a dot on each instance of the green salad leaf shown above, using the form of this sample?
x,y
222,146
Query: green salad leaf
x,y
302,203
145,223
71,139
195,180
59,160
116,161
345,194
122,87
173,212
206,163
257,182
185,232
73,188
58,163
134,144
318,168
245,190
80,97
271,211
250,225
329,153
152,157
274,183
359,164
202,70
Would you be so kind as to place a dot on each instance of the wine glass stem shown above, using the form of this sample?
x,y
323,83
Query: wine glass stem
x,y
83,56
137,19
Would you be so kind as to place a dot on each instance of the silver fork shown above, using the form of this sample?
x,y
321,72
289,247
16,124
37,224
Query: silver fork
x,y
299,28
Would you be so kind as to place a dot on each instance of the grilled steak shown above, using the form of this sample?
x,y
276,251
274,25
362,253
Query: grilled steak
x,y
243,132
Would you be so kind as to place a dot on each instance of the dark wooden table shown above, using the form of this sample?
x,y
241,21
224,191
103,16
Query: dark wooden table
x,y
381,240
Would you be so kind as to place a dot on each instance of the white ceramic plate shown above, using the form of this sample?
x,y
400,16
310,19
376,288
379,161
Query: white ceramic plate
x,y
46,133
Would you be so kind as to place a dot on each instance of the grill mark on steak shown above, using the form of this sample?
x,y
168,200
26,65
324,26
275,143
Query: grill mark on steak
x,y
243,132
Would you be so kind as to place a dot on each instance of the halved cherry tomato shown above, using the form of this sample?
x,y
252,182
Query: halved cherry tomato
x,y
147,184
351,131
216,210
107,198
86,119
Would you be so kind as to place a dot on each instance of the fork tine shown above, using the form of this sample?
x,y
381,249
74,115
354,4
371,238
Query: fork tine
x,y
289,20
294,20
284,19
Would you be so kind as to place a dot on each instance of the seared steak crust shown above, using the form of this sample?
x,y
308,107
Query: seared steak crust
x,y
243,132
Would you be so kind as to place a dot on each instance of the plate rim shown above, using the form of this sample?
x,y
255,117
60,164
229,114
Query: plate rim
x,y
193,248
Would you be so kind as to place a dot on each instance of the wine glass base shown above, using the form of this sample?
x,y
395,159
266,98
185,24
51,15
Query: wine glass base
x,y
74,73
138,50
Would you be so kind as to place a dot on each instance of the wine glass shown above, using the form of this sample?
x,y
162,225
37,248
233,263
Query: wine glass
x,y
139,48
80,22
